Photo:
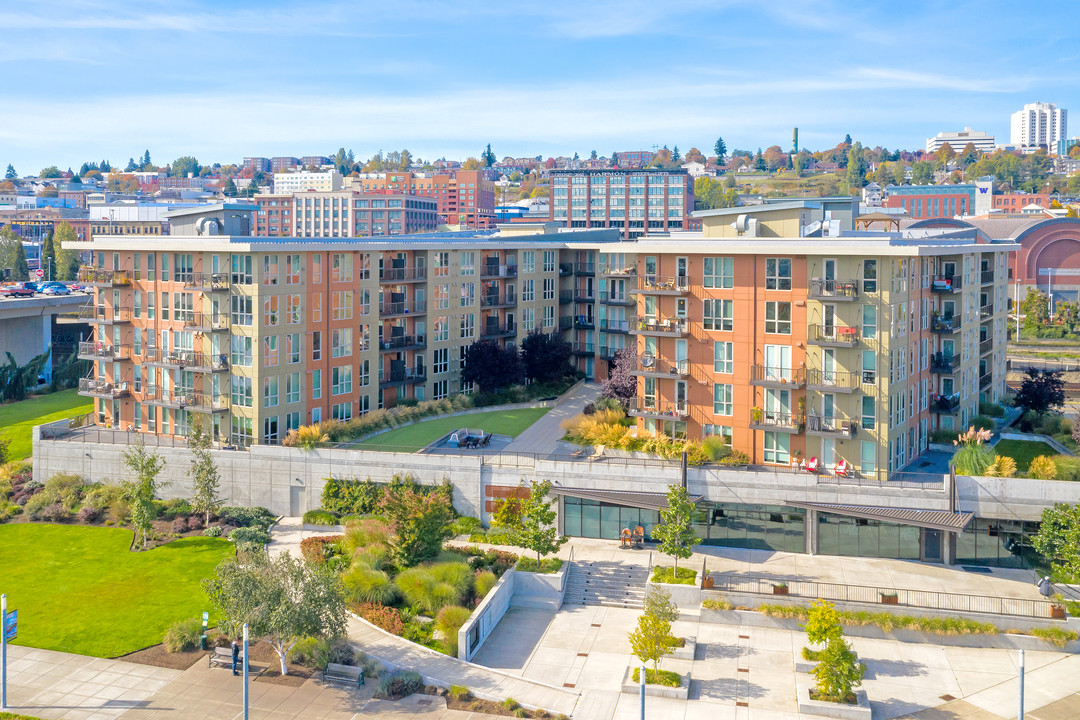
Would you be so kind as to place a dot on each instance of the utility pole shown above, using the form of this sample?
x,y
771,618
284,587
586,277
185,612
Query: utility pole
x,y
245,671
1020,711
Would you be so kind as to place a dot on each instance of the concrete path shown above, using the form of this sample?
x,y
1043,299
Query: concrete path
x,y
541,436
287,534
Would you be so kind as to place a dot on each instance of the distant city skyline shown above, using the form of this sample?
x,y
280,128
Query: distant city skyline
x,y
90,79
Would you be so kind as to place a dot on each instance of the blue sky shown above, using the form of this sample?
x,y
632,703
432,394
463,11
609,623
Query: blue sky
x,y
92,79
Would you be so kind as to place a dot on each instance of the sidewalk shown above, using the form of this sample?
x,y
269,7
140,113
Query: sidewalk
x,y
287,534
541,436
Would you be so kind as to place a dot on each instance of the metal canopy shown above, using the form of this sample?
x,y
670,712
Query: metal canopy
x,y
642,500
933,519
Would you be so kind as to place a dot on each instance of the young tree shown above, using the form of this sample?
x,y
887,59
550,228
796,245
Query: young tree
x,y
652,639
535,529
1035,307
14,379
48,257
67,259
205,478
676,529
22,268
922,173
1068,314
491,367
50,172
228,188
620,384
720,148
759,161
838,670
282,599
675,156
614,159
822,622
855,175
658,603
420,523
847,139
141,492
181,166
1041,391
545,357
1058,539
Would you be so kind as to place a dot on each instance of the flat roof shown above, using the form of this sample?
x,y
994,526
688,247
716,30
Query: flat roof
x,y
753,209
199,209
933,519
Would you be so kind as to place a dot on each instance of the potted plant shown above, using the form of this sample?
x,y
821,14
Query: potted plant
x,y
707,579
780,588
890,598
756,414
1057,608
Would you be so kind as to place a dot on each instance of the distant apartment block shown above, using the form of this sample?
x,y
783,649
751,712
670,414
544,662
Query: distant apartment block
x,y
1039,125
959,140
635,202
463,197
282,164
257,163
294,182
634,158
921,202
316,160
274,217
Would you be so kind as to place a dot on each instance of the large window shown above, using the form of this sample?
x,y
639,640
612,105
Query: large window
x,y
241,391
869,277
719,272
778,317
723,357
270,392
869,322
341,380
718,314
777,447
341,343
722,399
777,273
869,412
341,267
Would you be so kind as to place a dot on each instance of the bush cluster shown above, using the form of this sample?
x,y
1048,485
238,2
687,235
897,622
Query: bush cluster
x,y
316,653
242,517
658,677
497,561
251,535
387,618
319,548
337,431
399,685
666,575
320,517
183,635
611,428
547,565
433,587
351,496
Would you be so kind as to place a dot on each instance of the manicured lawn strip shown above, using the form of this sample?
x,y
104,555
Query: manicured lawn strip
x,y
419,435
1023,451
79,589
17,420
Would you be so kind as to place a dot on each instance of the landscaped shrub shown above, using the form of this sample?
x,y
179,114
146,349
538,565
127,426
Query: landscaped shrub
x,y
459,693
318,548
982,422
449,621
212,531
195,522
712,604
246,517
973,455
497,561
991,409
547,565
1042,468
387,618
483,581
374,556
465,525
1068,467
362,534
101,496
320,517
1003,466
311,652
943,437
335,431
180,525
371,666
350,496
432,587
364,585
341,652
658,677
174,508
249,536
664,575
306,437
56,512
399,685
183,635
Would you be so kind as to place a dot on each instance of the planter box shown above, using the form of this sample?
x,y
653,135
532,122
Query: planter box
x,y
780,590
327,529
890,600
860,711
680,693
540,590
687,597
686,652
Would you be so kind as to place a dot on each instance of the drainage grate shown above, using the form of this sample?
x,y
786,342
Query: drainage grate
x,y
977,569
947,698
569,685
741,703
583,654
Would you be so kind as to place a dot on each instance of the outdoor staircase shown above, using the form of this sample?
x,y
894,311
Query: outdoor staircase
x,y
610,584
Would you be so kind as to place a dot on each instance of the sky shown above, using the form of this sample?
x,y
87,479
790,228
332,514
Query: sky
x,y
92,79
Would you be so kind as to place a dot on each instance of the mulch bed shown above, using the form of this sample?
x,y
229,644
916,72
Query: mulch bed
x,y
477,705
265,666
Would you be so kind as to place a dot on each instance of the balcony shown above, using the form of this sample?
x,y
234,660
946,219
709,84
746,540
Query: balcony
x,y
100,352
987,277
618,270
206,322
584,322
985,381
660,327
566,322
614,326
650,366
401,343
616,298
584,348
945,405
186,399
104,278
834,290
766,376
584,295
187,360
92,387
607,352
566,297
493,330
986,311
395,309
832,336
945,284
833,427
206,282
649,408
393,275
104,315
566,269
494,300
776,421
944,364
584,269
834,381
944,325
495,270
403,376
661,285
986,346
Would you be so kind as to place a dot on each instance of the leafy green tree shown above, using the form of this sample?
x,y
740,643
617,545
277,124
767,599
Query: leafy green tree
x,y
11,174
545,357
968,156
899,174
720,148
535,529
131,166
420,523
21,269
855,174
1068,313
652,639
759,161
181,166
406,160
146,164
1035,307
847,139
488,157
205,477
944,154
592,155
14,379
621,384
1041,391
67,259
675,156
922,173
282,599
228,188
658,603
491,367
838,672
141,492
676,529
50,172
822,622
1058,539
614,160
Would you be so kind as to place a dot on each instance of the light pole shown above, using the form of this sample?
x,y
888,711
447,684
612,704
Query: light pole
x,y
1050,288
246,671
3,652
1020,711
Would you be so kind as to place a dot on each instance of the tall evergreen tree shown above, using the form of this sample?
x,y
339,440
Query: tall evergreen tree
x,y
720,148
11,174
22,268
48,257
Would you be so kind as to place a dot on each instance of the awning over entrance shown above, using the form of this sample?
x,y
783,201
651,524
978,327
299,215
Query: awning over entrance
x,y
643,500
932,519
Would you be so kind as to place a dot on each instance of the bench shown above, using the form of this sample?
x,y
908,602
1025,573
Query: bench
x,y
348,674
223,656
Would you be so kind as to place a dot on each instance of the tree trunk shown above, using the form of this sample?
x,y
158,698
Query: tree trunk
x,y
675,571
282,652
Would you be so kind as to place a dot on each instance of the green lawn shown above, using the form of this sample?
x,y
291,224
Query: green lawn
x,y
419,435
79,589
1023,451
17,420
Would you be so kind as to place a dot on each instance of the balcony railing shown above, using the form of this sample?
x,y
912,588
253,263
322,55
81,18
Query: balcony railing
x,y
944,364
493,270
104,314
494,300
945,404
584,268
776,420
185,399
104,278
99,351
402,275
566,296
987,277
93,387
615,326
945,325
648,365
607,352
616,298
404,376
584,348
410,307
986,346
642,407
834,380
668,327
986,311
491,331
566,269
945,283
777,376
187,360
584,295
584,322
207,282
403,342
829,289
566,322
827,426
207,322
661,284
832,336
986,380
617,270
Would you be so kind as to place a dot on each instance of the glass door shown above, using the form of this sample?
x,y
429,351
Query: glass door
x,y
931,545
828,365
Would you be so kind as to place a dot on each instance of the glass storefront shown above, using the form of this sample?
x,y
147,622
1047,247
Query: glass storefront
x,y
998,543
758,527
593,519
862,537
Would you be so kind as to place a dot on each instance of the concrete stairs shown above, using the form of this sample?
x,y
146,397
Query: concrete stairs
x,y
610,584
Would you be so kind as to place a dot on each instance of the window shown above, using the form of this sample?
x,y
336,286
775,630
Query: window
x,y
292,421
867,458
718,314
528,291
869,283
341,380
468,326
549,261
778,317
292,310
270,428
138,304
316,345
270,351
528,318
440,361
549,317
528,261
271,308
270,269
270,392
316,268
869,322
441,329
719,272
165,304
721,403
240,355
869,412
442,297
137,342
292,388
292,269
549,288
292,348
777,447
440,389
341,411
341,343
777,273
723,357
241,430
316,384
440,264
241,269
869,367
150,267
724,432
341,267
241,391
468,263
341,305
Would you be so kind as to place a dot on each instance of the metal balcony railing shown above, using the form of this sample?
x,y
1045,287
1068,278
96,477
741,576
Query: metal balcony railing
x,y
986,346
987,277
409,307
185,399
187,359
832,335
828,426
102,388
404,377
948,324
584,268
616,298
617,270
584,348
403,342
673,326
652,366
945,283
99,351
495,300
104,314
497,330
584,322
566,296
647,407
776,420
945,404
829,289
945,364
833,380
777,376
207,282
104,278
207,322
662,284
495,270
616,326
986,311
400,275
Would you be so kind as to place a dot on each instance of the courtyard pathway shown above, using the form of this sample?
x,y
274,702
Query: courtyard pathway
x,y
541,436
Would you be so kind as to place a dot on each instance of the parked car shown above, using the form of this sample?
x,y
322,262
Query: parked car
x,y
22,289
54,288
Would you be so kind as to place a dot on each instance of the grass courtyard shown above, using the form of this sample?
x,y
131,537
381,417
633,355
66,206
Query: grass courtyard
x,y
419,435
79,589
17,420
1023,451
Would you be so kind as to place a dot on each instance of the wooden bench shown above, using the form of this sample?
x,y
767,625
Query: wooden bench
x,y
348,674
223,656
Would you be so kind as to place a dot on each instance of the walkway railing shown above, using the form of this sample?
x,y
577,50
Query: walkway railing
x,y
881,595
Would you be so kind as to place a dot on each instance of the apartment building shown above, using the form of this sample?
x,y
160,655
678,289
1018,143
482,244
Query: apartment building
x,y
344,213
464,197
274,217
300,181
1039,125
635,202
959,140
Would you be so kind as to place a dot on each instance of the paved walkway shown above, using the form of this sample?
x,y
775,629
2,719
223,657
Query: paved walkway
x,y
541,436
287,534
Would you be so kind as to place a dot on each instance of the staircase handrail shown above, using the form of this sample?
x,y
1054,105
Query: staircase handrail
x,y
701,577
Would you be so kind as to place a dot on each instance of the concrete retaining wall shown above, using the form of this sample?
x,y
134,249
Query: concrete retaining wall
x,y
1037,438
487,615
540,590
687,597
